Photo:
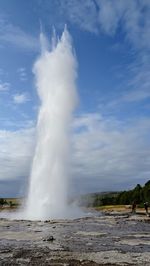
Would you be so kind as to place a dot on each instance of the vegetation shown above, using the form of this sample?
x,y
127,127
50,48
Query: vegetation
x,y
139,195
9,202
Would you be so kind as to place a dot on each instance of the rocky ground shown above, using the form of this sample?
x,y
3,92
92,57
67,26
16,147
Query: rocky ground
x,y
107,239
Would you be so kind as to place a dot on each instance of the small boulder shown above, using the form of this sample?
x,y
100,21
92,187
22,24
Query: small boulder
x,y
49,238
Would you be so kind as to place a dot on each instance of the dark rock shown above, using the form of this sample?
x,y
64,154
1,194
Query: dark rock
x,y
50,238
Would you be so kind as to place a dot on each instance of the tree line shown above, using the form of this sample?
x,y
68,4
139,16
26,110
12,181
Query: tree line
x,y
139,195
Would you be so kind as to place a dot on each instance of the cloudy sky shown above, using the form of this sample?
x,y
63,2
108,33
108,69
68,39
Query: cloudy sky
x,y
110,130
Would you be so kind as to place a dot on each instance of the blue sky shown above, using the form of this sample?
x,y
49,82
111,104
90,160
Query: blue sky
x,y
111,124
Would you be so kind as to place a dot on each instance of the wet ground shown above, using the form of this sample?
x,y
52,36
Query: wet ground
x,y
110,239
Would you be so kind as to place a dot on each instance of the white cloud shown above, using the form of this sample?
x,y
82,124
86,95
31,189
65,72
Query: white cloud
x,y
132,18
106,16
137,95
109,154
138,85
20,98
15,36
22,73
4,86
109,15
16,149
83,13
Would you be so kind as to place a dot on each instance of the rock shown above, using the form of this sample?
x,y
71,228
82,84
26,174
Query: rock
x,y
50,238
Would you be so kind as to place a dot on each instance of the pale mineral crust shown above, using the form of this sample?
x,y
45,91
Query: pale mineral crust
x,y
110,239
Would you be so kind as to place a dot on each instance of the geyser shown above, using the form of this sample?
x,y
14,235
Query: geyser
x,y
55,73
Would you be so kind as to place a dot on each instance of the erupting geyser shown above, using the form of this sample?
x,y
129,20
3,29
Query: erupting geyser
x,y
55,73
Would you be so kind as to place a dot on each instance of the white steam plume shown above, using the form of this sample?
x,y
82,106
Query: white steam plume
x,y
55,73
